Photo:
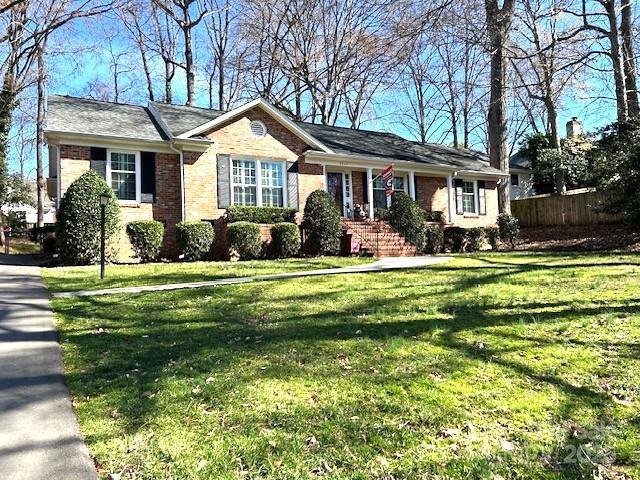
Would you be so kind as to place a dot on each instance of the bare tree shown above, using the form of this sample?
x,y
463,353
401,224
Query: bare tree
x,y
137,22
28,24
180,11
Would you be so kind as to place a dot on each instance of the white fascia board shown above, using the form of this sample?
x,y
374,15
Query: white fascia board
x,y
479,174
267,107
363,161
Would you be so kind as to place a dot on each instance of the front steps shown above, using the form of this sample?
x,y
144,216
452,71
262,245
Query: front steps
x,y
379,238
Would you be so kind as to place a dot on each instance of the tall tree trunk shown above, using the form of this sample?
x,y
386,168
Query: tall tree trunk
x,y
626,30
168,76
616,59
190,68
40,182
552,114
498,23
147,73
221,80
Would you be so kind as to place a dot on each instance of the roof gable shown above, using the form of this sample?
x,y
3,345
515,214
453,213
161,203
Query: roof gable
x,y
269,109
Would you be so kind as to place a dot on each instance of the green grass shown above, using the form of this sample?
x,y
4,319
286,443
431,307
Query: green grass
x,y
490,366
67,279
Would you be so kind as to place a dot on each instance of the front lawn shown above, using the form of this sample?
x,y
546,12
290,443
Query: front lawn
x,y
67,279
490,366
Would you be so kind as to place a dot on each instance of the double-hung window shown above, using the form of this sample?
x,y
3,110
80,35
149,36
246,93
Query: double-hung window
x,y
380,194
124,175
469,197
258,183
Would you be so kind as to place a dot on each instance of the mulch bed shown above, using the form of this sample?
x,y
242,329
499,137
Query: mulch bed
x,y
580,238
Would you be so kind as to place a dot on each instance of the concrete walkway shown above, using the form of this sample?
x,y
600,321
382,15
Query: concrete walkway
x,y
379,266
39,437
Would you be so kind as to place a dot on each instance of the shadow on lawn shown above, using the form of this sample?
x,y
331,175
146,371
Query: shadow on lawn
x,y
219,337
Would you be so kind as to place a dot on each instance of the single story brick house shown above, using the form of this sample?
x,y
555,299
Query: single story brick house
x,y
174,163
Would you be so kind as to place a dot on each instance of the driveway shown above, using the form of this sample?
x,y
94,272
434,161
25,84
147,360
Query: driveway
x,y
39,436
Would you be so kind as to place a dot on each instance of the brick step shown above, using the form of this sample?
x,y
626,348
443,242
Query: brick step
x,y
389,242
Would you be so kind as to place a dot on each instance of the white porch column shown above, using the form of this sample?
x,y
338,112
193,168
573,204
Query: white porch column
x,y
370,191
324,178
450,211
412,184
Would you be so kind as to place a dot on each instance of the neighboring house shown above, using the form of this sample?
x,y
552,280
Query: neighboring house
x,y
174,163
31,213
520,177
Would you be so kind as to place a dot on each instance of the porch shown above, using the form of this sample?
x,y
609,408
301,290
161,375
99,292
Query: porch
x,y
361,188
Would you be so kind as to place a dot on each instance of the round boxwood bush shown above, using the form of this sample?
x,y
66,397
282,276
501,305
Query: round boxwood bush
x,y
78,225
475,238
194,239
493,236
285,240
322,224
406,216
509,228
433,239
146,238
245,239
454,238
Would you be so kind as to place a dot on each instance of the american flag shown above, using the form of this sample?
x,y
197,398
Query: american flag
x,y
387,180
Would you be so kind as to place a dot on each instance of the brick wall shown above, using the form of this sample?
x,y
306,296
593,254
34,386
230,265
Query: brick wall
x,y
357,181
74,161
469,221
431,193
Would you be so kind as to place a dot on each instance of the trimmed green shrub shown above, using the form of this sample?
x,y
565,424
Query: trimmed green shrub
x,y
406,216
493,236
475,238
509,228
146,238
454,238
78,226
322,224
261,214
285,240
245,238
434,216
194,239
433,239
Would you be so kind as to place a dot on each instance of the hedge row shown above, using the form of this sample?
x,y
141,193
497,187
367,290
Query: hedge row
x,y
260,214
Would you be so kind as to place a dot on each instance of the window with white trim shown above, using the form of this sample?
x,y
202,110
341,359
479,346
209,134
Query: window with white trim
x,y
380,194
124,175
258,183
469,197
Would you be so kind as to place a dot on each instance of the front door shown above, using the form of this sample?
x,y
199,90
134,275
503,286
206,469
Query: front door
x,y
335,187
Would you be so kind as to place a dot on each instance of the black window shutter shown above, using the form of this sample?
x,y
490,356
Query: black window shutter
x,y
458,186
224,182
148,173
482,199
98,161
365,189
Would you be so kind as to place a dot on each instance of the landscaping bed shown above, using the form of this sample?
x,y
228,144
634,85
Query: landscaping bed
x,y
580,238
490,366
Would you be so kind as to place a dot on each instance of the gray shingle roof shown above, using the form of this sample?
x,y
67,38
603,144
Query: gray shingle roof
x,y
182,118
79,115
519,160
388,145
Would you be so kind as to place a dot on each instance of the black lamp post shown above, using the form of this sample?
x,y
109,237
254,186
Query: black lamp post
x,y
104,201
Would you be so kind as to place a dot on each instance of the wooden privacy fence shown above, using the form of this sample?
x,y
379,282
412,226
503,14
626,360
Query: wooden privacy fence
x,y
576,207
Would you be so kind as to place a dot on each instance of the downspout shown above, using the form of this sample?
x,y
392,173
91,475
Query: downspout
x,y
449,190
181,153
